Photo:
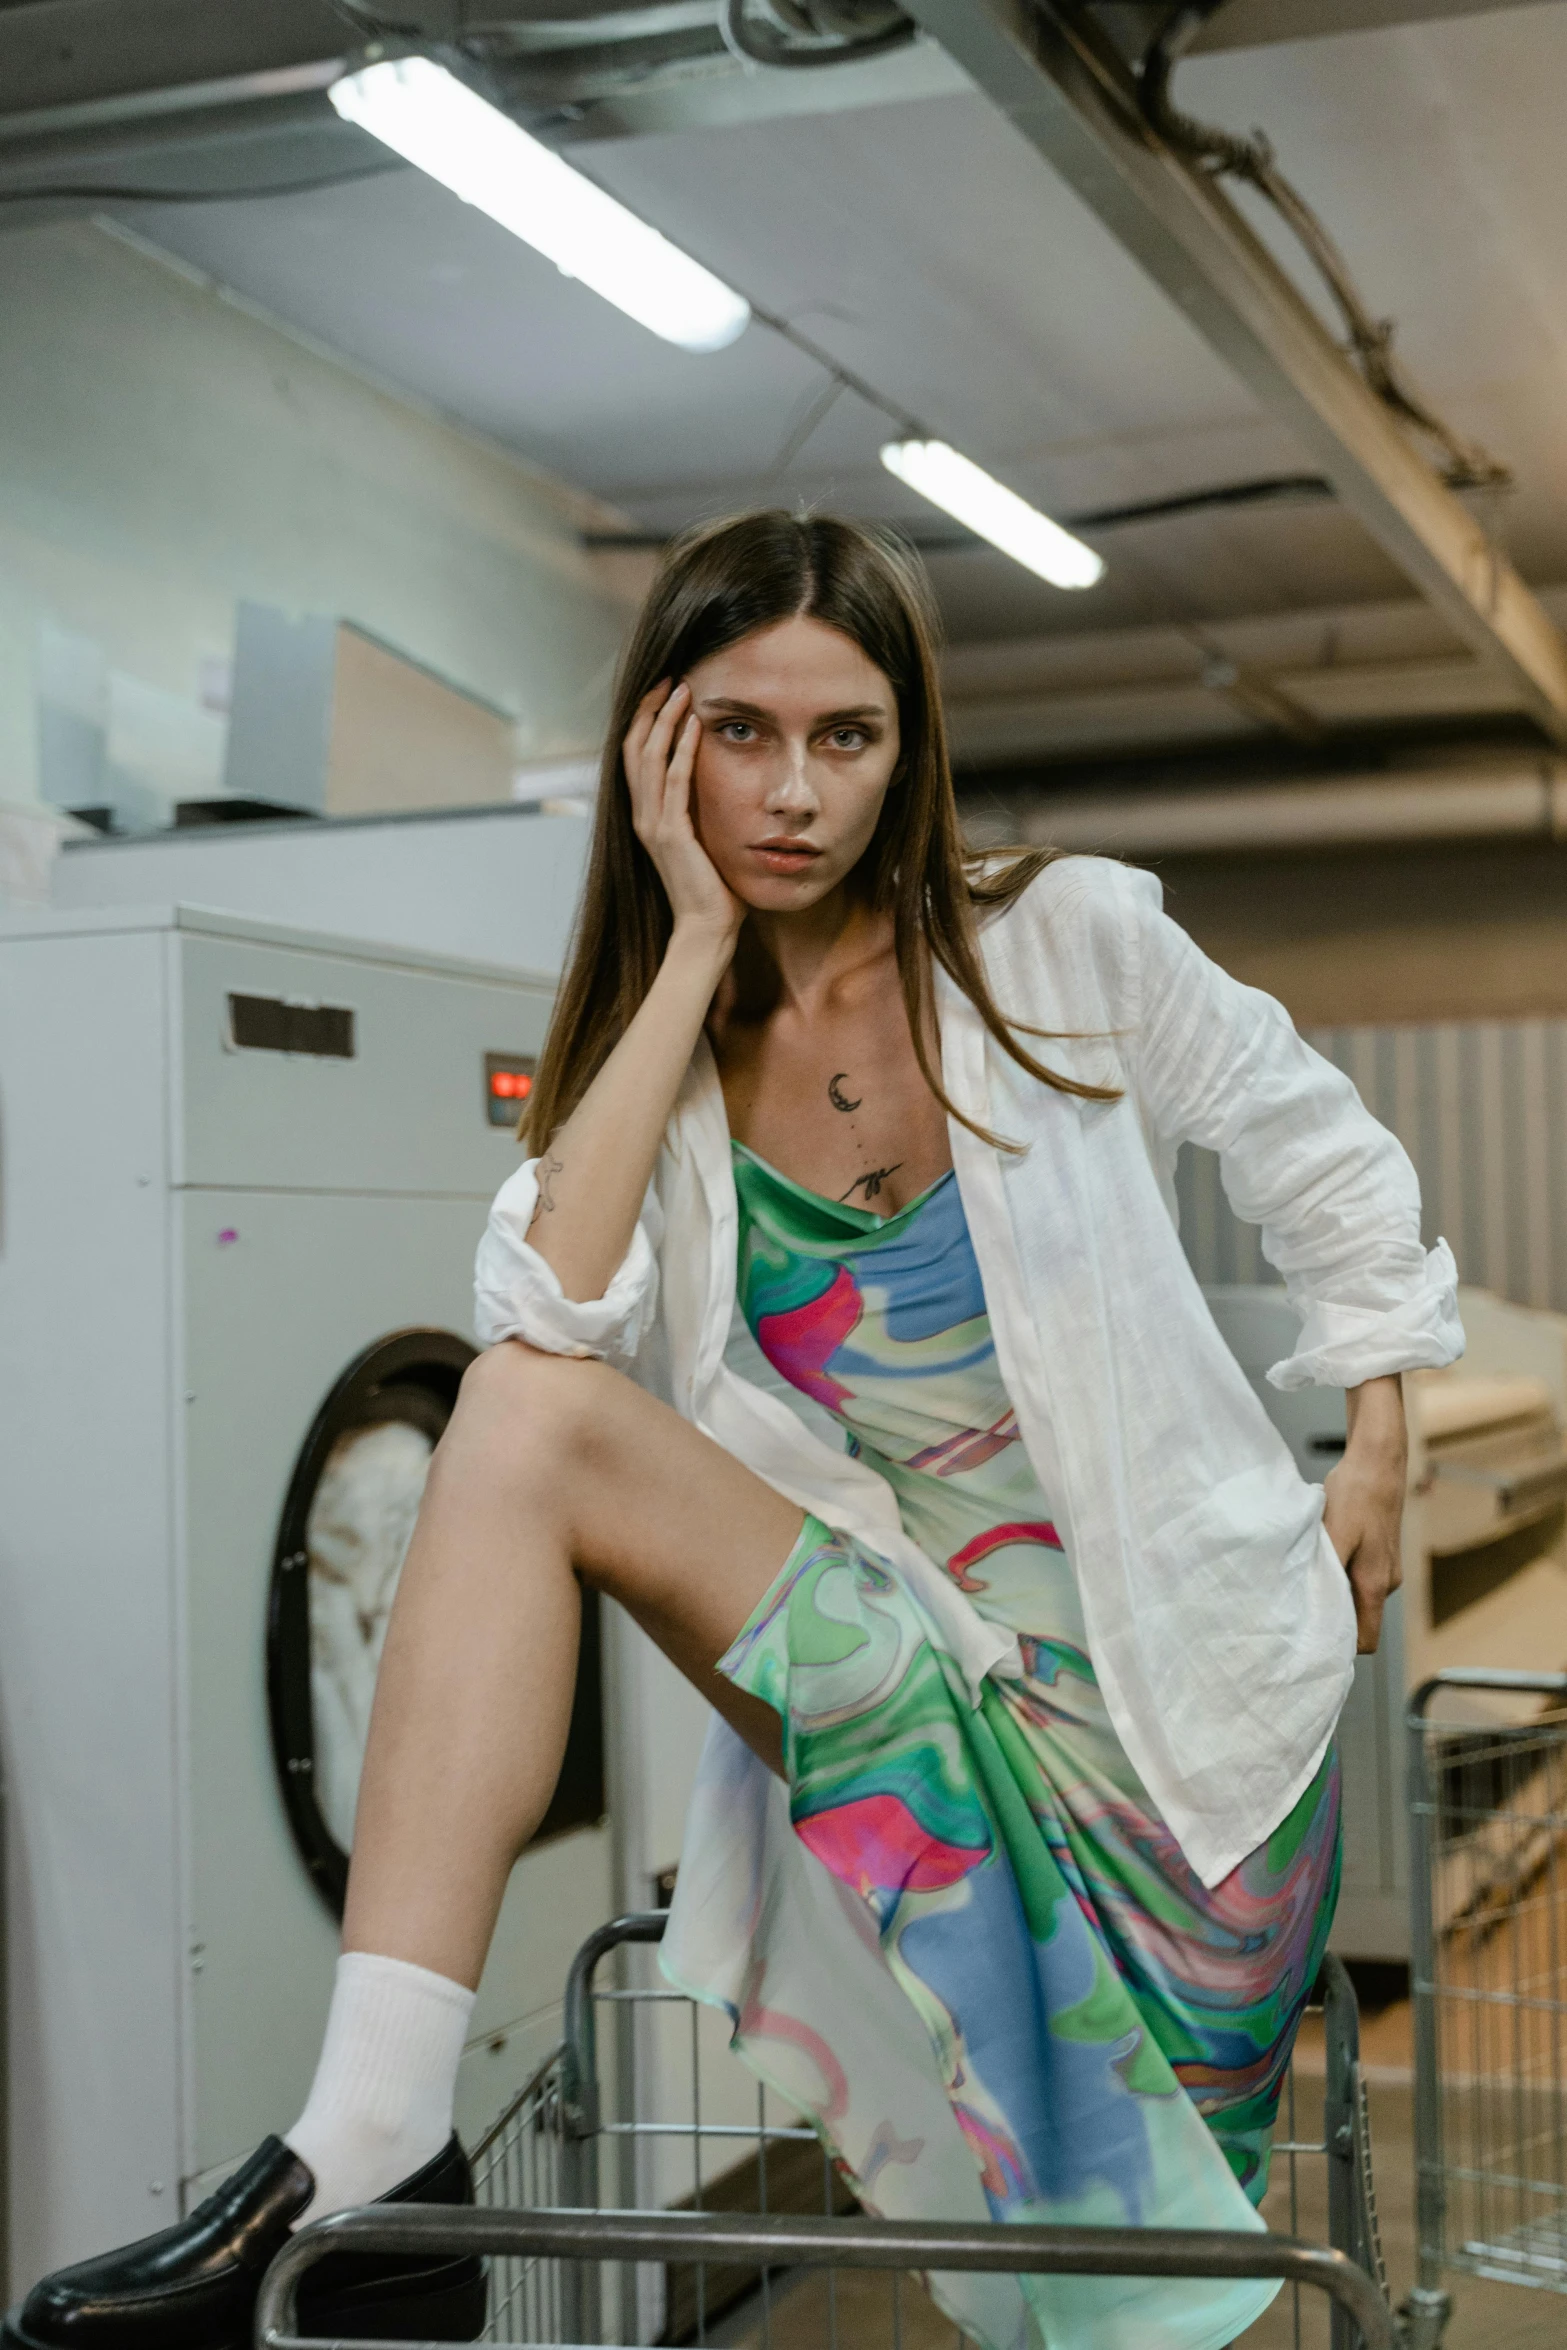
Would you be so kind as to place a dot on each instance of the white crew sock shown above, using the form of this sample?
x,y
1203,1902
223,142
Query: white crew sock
x,y
380,2106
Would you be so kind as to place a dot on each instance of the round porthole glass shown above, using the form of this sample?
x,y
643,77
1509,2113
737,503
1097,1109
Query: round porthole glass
x,y
344,1533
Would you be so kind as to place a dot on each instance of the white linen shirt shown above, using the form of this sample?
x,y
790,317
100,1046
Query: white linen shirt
x,y
1219,1619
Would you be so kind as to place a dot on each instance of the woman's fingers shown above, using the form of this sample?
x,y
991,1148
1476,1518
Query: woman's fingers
x,y
662,731
1375,1573
1368,1621
682,765
634,749
1363,1512
646,711
647,758
660,760
1368,1606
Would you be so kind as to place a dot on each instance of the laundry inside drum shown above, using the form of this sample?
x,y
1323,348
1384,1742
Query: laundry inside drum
x,y
361,1521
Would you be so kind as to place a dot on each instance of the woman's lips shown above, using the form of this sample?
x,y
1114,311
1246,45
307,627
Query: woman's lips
x,y
785,856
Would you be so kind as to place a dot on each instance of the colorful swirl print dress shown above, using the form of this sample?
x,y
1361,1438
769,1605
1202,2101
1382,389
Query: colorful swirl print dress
x,y
1111,2037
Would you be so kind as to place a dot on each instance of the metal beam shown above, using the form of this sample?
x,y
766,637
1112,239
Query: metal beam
x,y
1069,95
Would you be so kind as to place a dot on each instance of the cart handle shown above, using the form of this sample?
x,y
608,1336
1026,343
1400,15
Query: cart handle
x,y
810,2242
638,1925
1493,1677
579,2076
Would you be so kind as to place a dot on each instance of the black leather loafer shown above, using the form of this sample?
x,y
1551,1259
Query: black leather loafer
x,y
194,2287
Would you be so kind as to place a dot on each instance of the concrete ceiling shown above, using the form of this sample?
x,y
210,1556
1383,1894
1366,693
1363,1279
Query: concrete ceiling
x,y
923,246
917,240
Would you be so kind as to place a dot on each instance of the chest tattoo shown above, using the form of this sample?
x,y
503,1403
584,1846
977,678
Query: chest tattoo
x,y
836,1095
871,1184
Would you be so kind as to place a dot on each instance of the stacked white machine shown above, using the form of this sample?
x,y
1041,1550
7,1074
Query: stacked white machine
x,y
236,1160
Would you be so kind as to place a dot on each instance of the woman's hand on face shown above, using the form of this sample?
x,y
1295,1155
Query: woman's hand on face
x,y
660,759
1364,1507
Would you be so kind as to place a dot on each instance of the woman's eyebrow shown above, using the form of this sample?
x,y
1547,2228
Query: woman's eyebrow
x,y
737,709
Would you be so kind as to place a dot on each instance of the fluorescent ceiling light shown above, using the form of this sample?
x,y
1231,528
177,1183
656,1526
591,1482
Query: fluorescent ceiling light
x,y
425,114
961,488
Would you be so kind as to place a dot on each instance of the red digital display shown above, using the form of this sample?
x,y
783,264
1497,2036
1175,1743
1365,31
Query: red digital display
x,y
508,1081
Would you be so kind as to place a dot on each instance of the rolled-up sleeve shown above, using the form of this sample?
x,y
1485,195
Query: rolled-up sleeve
x,y
518,1295
1338,1202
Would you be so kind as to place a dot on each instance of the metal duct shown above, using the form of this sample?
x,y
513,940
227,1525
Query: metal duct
x,y
1525,795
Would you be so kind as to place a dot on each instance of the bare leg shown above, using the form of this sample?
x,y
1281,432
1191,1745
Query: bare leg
x,y
550,1468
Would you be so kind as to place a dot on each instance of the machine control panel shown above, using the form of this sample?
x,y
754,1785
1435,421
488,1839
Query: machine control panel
x,y
508,1081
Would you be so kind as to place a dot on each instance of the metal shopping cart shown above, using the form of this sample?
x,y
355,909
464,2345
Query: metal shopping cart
x,y
726,2222
1488,1800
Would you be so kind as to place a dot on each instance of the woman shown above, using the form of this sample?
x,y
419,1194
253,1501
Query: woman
x,y
1016,1843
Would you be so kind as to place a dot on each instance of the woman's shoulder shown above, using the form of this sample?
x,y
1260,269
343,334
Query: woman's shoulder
x,y
1075,909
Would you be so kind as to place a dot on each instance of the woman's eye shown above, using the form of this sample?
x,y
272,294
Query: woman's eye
x,y
737,730
847,738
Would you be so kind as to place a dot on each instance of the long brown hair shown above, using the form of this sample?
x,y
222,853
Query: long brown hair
x,y
716,585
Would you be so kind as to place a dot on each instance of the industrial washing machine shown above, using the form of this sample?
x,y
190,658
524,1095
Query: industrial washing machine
x,y
242,1174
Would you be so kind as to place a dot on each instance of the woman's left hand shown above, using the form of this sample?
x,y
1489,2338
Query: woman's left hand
x,y
1364,1509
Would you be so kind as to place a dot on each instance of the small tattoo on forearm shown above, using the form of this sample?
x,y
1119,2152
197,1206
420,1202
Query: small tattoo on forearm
x,y
871,1183
835,1093
547,1174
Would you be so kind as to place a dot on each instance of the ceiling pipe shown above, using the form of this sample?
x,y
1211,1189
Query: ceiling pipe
x,y
1523,797
835,34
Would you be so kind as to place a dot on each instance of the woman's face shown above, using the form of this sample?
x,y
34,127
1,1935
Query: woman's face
x,y
798,747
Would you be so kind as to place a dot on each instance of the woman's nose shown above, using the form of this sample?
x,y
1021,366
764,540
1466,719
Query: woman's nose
x,y
789,786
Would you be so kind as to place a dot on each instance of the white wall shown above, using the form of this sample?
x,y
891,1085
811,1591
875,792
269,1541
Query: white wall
x,y
164,452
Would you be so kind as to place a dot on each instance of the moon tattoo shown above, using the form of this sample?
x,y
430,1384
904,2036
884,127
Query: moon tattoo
x,y
836,1095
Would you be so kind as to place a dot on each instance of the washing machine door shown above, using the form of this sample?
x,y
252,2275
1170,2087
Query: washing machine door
x,y
346,1524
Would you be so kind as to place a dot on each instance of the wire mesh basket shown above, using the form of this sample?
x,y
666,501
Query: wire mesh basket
x,y
642,2188
517,2166
644,2109
1488,1801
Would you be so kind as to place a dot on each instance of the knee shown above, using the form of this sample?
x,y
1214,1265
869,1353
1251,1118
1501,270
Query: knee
x,y
517,1405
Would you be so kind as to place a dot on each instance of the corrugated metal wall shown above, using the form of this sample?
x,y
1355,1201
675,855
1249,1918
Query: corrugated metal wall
x,y
1481,1108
